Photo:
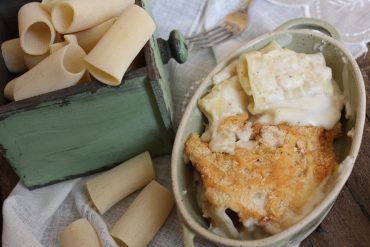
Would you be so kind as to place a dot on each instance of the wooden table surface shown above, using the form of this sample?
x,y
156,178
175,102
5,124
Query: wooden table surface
x,y
347,224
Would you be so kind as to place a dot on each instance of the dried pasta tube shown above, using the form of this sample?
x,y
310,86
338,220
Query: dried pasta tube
x,y
9,90
62,69
49,4
110,187
71,38
68,39
13,56
80,233
144,217
57,46
71,16
32,60
112,55
87,39
35,29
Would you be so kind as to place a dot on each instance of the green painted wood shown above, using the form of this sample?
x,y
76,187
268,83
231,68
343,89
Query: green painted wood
x,y
160,78
78,134
162,51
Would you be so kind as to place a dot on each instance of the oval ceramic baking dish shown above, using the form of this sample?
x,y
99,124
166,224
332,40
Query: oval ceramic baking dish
x,y
345,71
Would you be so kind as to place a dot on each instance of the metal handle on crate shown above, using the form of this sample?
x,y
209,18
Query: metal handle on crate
x,y
311,23
175,47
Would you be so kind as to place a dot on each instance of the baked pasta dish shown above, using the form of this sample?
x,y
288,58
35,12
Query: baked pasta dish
x,y
267,150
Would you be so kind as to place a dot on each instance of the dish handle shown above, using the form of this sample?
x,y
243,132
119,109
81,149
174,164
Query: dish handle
x,y
311,23
187,236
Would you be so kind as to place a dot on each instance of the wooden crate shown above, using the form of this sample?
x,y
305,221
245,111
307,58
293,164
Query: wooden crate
x,y
89,127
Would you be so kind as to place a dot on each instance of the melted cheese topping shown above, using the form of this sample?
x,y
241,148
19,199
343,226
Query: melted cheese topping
x,y
277,86
318,110
225,99
294,88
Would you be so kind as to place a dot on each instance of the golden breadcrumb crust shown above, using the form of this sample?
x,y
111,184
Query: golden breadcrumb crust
x,y
273,179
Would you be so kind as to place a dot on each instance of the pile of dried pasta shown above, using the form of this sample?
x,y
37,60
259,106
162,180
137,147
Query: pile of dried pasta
x,y
63,42
141,221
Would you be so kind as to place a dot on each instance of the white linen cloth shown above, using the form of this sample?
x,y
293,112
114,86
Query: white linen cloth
x,y
36,218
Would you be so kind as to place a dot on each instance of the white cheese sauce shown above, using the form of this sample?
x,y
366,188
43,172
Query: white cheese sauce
x,y
351,133
225,99
293,88
319,110
285,87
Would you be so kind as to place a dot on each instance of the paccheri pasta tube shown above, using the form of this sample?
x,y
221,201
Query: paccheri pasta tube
x,y
13,56
9,90
226,73
49,4
110,58
76,15
87,39
68,39
80,233
71,38
110,187
56,46
32,60
62,69
35,29
144,217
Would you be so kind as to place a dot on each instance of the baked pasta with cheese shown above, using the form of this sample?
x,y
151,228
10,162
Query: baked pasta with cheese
x,y
268,146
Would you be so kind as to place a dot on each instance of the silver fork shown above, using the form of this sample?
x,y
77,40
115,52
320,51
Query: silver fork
x,y
232,25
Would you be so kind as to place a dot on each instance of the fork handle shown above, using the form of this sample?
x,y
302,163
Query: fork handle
x,y
175,47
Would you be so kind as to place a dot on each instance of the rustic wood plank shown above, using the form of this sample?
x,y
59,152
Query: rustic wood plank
x,y
364,61
345,225
8,179
366,75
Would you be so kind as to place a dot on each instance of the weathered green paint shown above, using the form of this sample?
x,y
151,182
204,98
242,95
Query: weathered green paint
x,y
178,46
175,47
160,79
83,132
86,128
